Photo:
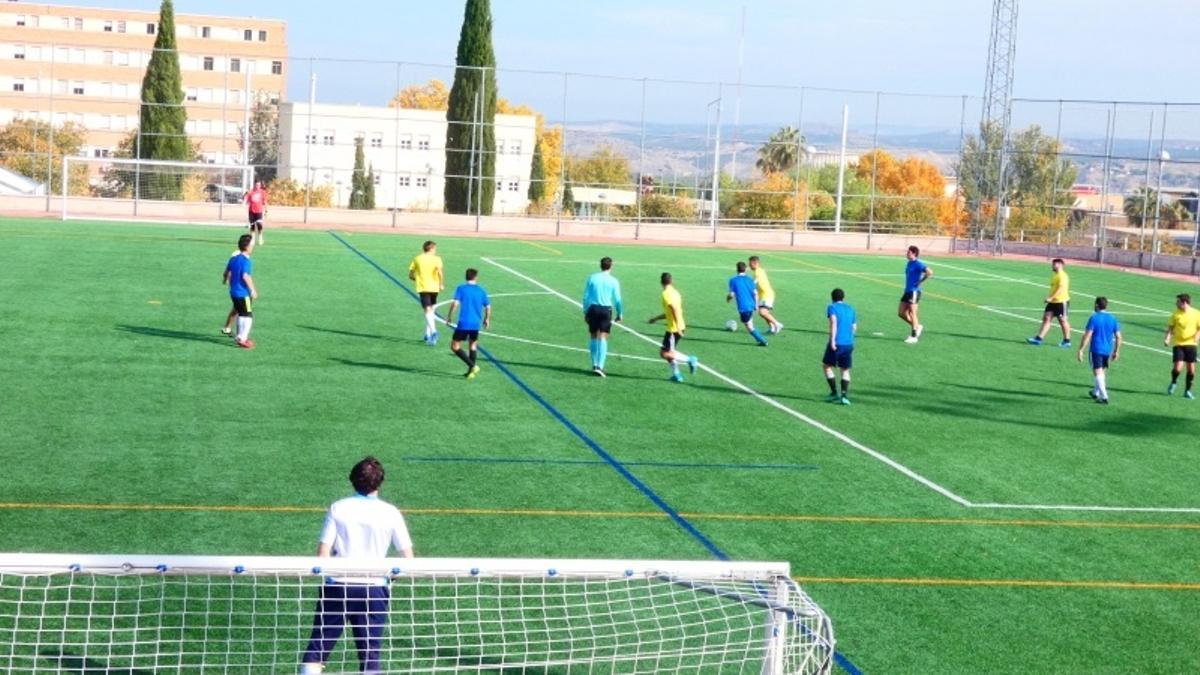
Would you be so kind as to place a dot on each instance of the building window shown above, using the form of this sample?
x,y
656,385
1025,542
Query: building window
x,y
378,177
406,142
422,181
108,26
310,138
499,146
514,186
328,138
262,36
191,94
20,19
273,99
149,29
79,23
277,67
248,35
77,88
19,52
235,65
404,181
515,147
19,84
120,26
423,143
101,153
376,140
499,185
206,31
66,23
208,63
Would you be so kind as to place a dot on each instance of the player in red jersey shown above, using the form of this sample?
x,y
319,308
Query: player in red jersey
x,y
256,199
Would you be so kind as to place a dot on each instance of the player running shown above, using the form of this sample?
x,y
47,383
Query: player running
x,y
744,290
427,271
242,290
839,349
1182,330
1104,333
766,296
672,303
1058,305
601,303
476,315
915,274
256,201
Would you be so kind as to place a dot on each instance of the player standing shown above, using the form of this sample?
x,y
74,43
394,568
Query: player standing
x,y
601,307
1182,330
242,290
745,291
915,274
1058,305
672,303
426,269
1104,333
839,349
362,526
476,315
766,296
256,201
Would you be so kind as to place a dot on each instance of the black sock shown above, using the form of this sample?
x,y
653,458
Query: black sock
x,y
462,354
1174,376
845,387
914,332
1190,378
832,385
474,356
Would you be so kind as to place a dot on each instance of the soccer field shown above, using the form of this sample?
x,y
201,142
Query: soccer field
x,y
972,511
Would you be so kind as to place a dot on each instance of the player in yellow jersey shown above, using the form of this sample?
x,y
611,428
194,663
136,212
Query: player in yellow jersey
x,y
1182,332
426,270
672,303
1058,305
766,295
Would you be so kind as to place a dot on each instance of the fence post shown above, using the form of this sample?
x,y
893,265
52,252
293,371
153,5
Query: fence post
x,y
50,134
800,159
224,140
716,176
309,139
396,151
1101,234
637,226
874,172
958,197
1162,157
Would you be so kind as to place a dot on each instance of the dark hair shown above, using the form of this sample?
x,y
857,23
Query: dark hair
x,y
1101,302
838,295
428,245
753,258
741,267
1058,261
1184,297
367,475
666,278
914,250
606,263
244,242
472,273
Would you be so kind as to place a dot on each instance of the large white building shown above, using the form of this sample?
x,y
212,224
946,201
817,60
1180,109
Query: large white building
x,y
407,149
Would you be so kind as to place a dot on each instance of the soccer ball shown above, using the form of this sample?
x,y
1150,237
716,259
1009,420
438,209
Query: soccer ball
x,y
731,325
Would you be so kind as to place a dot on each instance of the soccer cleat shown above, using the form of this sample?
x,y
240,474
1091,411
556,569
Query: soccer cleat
x,y
228,332
778,328
1188,395
762,343
433,339
600,372
1171,389
1102,401
472,372
910,340
1065,344
833,398
245,344
677,377
920,329
1093,394
845,400
1036,341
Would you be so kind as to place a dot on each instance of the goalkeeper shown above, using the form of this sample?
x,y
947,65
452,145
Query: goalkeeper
x,y
362,526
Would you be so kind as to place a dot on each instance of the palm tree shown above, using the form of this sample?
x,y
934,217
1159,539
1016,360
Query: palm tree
x,y
1144,200
781,152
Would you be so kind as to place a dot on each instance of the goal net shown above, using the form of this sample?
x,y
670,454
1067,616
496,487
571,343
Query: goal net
x,y
126,189
135,614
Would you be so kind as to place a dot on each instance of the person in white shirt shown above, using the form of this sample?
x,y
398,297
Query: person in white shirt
x,y
362,526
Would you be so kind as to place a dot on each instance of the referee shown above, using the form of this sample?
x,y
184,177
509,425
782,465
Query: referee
x,y
601,300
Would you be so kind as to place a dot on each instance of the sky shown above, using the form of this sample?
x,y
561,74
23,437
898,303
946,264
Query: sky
x,y
1087,49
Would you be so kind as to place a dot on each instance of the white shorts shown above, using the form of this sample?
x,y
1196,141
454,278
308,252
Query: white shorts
x,y
767,304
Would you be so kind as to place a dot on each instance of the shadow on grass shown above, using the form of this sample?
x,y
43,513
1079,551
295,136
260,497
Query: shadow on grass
x,y
81,665
584,372
151,331
1084,383
398,368
1107,420
347,333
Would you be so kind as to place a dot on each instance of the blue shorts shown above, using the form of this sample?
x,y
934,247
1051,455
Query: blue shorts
x,y
1099,361
363,607
746,316
842,357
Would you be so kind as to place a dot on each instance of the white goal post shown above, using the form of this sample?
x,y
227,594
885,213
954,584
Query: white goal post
x,y
111,188
139,613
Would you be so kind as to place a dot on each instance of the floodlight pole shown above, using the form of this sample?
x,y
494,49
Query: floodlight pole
x,y
837,216
308,139
1163,156
716,173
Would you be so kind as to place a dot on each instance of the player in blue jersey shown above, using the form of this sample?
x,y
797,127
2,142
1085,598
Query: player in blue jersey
x,y
839,348
744,290
601,307
1104,333
242,290
476,315
915,274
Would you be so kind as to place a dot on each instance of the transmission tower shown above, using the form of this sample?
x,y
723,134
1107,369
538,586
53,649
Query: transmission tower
x,y
997,100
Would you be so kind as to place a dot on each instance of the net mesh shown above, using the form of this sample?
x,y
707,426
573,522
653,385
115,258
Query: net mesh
x,y
136,620
175,191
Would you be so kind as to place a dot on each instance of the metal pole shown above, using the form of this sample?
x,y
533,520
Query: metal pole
x,y
396,153
482,148
737,105
874,172
50,136
958,196
799,160
471,167
562,163
716,175
637,227
837,216
1057,174
224,141
308,139
249,169
64,187
1146,190
1162,157
1102,234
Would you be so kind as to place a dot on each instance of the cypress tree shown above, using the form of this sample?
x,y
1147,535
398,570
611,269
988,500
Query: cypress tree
x,y
358,187
476,74
369,189
568,199
162,121
537,175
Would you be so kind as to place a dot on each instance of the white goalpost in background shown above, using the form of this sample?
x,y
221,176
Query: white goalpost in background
x,y
113,613
124,189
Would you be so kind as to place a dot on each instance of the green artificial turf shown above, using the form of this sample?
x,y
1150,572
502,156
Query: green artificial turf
x,y
119,392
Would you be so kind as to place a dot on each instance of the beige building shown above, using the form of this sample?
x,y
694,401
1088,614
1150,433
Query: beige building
x,y
85,65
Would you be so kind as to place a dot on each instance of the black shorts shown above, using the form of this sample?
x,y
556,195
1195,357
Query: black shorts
x,y
428,299
842,357
468,335
911,297
1185,353
670,341
255,218
1058,309
1099,361
242,307
599,319
745,316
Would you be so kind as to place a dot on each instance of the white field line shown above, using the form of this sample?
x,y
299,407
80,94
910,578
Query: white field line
x,y
669,267
1040,310
1027,282
766,399
863,448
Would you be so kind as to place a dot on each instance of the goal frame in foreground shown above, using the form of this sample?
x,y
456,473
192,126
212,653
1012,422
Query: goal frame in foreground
x,y
181,614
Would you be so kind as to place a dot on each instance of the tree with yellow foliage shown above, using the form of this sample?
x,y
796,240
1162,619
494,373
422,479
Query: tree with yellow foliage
x,y
910,194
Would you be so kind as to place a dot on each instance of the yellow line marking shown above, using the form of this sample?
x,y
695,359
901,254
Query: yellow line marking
x,y
154,302
541,246
1011,583
571,513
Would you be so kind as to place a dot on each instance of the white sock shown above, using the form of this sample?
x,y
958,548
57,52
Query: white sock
x,y
430,324
675,367
243,327
1102,385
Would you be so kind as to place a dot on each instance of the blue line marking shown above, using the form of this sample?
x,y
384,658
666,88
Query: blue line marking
x,y
842,661
597,462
